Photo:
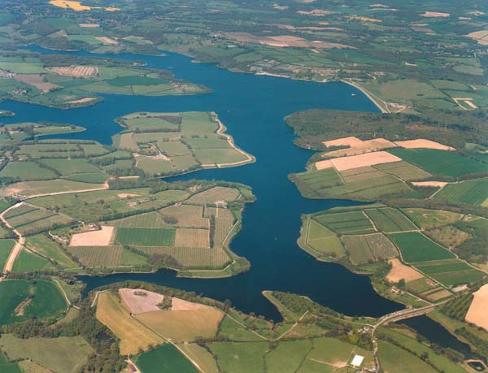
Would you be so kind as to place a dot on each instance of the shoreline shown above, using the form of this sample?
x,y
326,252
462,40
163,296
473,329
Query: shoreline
x,y
377,102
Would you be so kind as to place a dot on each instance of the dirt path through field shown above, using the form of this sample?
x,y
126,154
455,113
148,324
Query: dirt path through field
x,y
18,245
105,186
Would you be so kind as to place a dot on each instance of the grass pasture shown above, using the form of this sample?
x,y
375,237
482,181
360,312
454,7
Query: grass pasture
x,y
27,170
403,170
106,256
171,143
5,248
8,367
319,240
61,354
30,219
240,357
22,300
364,183
42,244
346,222
441,162
191,257
472,192
428,219
415,247
364,249
145,236
165,358
388,219
451,272
30,262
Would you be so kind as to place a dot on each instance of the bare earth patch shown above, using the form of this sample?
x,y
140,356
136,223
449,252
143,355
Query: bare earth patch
x,y
480,36
75,71
89,25
140,300
477,313
106,40
356,161
36,80
357,146
184,322
282,41
435,184
314,12
423,144
350,141
78,7
82,101
401,271
430,14
102,237
127,195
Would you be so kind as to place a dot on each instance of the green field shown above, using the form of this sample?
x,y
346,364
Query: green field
x,y
6,366
451,272
62,354
428,219
348,222
30,262
365,183
388,219
165,358
440,162
145,236
288,356
239,357
5,248
320,240
415,247
473,192
22,299
107,256
27,170
42,244
363,249
407,350
170,143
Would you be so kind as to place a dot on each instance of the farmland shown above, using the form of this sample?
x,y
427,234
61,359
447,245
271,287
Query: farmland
x,y
375,234
61,354
56,82
164,358
24,300
471,192
133,337
439,162
415,247
171,143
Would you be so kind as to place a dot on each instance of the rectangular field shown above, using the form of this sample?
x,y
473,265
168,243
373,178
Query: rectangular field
x,y
363,249
441,162
145,236
415,247
388,219
473,192
348,222
192,237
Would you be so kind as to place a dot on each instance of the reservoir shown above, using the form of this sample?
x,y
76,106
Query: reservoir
x,y
253,109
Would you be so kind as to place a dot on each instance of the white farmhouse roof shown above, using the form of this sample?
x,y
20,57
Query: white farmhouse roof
x,y
357,360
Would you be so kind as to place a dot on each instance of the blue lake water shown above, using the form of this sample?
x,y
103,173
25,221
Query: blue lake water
x,y
253,109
